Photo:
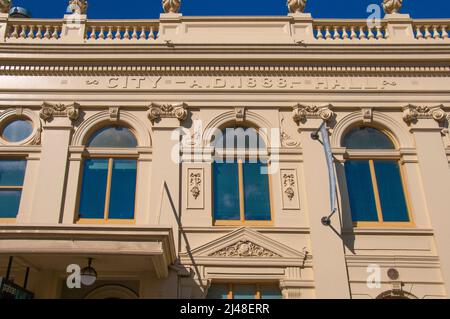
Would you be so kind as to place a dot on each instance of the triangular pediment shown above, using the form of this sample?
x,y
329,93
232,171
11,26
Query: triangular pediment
x,y
247,243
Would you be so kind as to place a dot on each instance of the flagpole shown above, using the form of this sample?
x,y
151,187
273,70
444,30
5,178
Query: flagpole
x,y
326,220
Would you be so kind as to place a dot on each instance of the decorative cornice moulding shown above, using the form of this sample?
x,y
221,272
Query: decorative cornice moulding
x,y
200,69
159,111
50,111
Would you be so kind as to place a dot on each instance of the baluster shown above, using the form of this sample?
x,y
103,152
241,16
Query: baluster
x,y
134,33
151,35
362,35
143,36
118,35
55,34
93,33
319,32
444,32
31,33
127,33
327,32
23,32
47,34
344,32
436,34
101,35
419,34
353,34
336,33
15,33
379,33
109,35
370,34
386,33
427,32
39,32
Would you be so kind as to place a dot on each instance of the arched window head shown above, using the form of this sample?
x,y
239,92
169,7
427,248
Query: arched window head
x,y
364,137
113,137
238,137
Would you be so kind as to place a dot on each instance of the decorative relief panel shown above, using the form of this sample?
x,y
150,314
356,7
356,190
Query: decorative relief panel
x,y
50,111
158,111
412,113
286,139
195,181
244,248
289,189
302,112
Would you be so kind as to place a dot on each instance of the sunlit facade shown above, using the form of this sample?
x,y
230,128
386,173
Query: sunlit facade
x,y
175,156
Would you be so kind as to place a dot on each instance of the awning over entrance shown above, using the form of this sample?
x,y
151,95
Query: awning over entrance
x,y
153,243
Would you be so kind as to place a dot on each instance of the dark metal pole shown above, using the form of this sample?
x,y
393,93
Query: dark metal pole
x,y
25,282
8,271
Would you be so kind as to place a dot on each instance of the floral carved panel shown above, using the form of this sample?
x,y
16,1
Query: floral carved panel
x,y
195,188
289,189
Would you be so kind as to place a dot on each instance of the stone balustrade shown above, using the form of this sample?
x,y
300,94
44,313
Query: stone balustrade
x,y
33,29
178,29
142,30
353,30
431,29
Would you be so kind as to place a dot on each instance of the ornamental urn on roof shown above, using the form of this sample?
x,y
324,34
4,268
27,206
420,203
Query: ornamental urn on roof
x,y
392,6
5,6
171,6
296,6
78,6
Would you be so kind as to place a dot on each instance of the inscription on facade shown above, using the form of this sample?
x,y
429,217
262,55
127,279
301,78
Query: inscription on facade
x,y
245,83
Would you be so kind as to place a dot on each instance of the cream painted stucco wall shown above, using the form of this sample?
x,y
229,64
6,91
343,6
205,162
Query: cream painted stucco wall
x,y
221,71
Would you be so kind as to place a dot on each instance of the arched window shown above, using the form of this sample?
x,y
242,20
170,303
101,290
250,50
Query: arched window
x,y
108,187
374,177
241,184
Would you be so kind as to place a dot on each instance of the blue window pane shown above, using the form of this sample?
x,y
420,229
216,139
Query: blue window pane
x,y
93,190
360,191
218,291
270,292
226,191
367,138
123,189
256,192
244,291
9,203
17,131
113,136
390,188
238,138
12,172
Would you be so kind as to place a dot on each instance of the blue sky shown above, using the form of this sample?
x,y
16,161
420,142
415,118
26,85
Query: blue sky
x,y
150,9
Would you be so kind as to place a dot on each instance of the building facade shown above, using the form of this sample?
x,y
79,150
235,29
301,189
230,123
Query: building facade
x,y
116,147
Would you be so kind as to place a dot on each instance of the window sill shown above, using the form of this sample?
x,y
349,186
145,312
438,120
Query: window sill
x,y
8,220
242,223
384,225
106,221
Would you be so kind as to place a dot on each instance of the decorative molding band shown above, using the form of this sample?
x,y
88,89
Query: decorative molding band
x,y
302,112
50,111
196,69
159,111
412,113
